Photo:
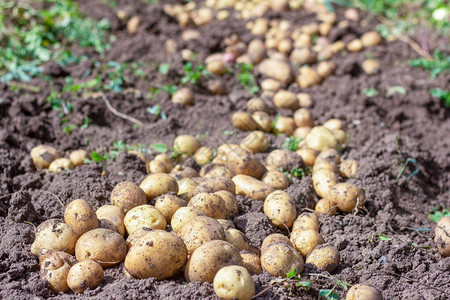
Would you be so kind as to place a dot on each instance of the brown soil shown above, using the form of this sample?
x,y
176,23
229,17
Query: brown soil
x,y
384,132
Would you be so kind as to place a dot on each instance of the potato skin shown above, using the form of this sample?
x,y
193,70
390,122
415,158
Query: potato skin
x,y
203,155
144,216
60,164
323,181
251,262
158,254
276,180
80,216
285,160
324,257
168,205
83,275
127,195
211,205
186,188
43,155
306,240
348,168
111,217
158,184
280,208
187,144
200,230
105,246
237,239
55,235
55,266
275,238
183,215
255,142
183,96
244,121
241,161
77,157
209,258
279,258
442,236
251,187
306,221
347,197
326,207
234,282
363,292
215,184
321,138
231,204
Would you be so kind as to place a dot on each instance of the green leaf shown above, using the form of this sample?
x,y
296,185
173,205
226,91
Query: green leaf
x,y
164,69
329,294
395,89
97,157
291,273
441,94
304,284
227,132
437,215
371,92
159,147
383,237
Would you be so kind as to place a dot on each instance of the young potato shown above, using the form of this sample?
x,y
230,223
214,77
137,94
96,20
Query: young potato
x,y
127,195
111,217
348,168
324,165
215,184
276,69
303,55
158,184
186,188
144,216
200,230
60,164
166,160
326,207
263,120
340,135
244,121
285,125
105,246
237,239
308,77
363,292
168,205
329,155
77,157
256,50
278,259
158,254
337,46
80,215
324,257
180,171
184,215
305,100
303,118
275,238
217,67
157,166
347,197
285,160
240,161
231,203
187,144
203,155
442,236
308,155
370,66
211,205
280,208
216,170
234,282
255,142
43,156
326,68
251,187
226,223
183,96
55,235
217,86
83,275
370,39
321,138
323,181
355,45
286,100
251,262
55,266
271,85
306,221
257,104
208,259
276,180
301,132
306,240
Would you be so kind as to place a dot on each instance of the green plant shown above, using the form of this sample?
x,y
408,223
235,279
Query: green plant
x,y
291,143
395,89
371,92
157,112
439,64
164,69
298,172
291,281
193,73
247,79
159,147
435,215
441,94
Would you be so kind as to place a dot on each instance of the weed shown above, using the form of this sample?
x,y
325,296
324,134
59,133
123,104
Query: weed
x,y
378,237
371,92
291,143
247,79
439,64
291,280
193,73
297,173
402,169
162,148
395,89
435,215
441,94
273,125
164,69
227,132
86,122
157,112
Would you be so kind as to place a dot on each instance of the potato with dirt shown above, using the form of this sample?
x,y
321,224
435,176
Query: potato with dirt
x,y
278,259
240,161
200,230
186,188
363,292
286,100
276,180
105,246
208,259
168,205
284,125
80,215
158,184
77,157
127,195
306,221
187,144
348,168
215,184
144,216
55,266
236,238
61,164
306,240
83,275
251,187
442,236
203,155
263,120
43,156
321,138
156,253
55,235
234,282
280,208
183,96
347,197
275,238
244,121
303,118
211,205
183,215
325,207
284,160
323,181
231,204
252,262
308,155
324,257
111,217
255,142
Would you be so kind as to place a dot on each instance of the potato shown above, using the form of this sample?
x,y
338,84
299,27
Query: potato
x,y
370,39
186,188
83,275
280,208
256,50
208,259
269,84
284,160
284,125
240,161
80,215
363,292
286,100
263,120
111,217
326,207
285,46
77,157
442,236
168,205
303,118
348,168
278,259
330,156
302,55
340,135
183,96
324,257
158,184
301,132
323,181
251,187
324,165
105,246
211,205
244,121
216,170
127,195
276,180
180,171
306,221
226,223
215,184
237,239
321,138
144,216
255,142
217,67
337,46
133,24
308,155
308,77
203,155
157,166
326,68
234,282
43,156
276,69
257,104
275,238
158,254
251,262
183,215
61,164
55,266
305,100
200,230
347,197
217,86
187,144
370,66
166,160
55,235
231,203
306,240
355,45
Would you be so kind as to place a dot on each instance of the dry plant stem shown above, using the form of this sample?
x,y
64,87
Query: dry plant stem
x,y
57,198
118,113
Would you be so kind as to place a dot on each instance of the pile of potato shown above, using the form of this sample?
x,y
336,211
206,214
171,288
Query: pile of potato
x,y
47,157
